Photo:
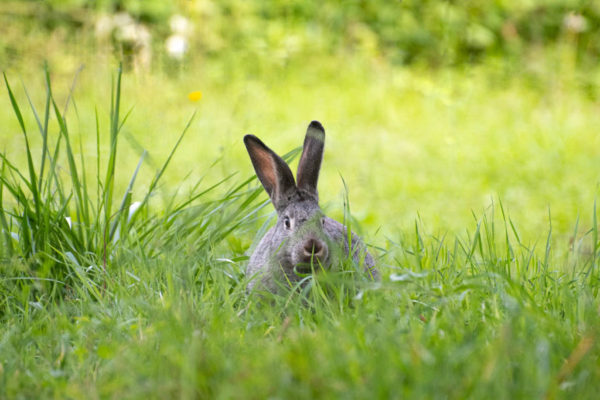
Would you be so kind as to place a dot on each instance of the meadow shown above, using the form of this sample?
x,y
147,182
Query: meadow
x,y
128,210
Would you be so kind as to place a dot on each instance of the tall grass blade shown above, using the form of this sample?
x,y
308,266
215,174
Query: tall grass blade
x,y
109,180
126,202
6,234
548,249
32,174
75,179
595,243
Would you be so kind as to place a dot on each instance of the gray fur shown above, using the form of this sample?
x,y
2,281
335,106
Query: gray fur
x,y
303,239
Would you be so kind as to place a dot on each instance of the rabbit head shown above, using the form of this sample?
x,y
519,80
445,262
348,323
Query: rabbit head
x,y
298,243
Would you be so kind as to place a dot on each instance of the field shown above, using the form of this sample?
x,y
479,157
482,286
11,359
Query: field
x,y
129,207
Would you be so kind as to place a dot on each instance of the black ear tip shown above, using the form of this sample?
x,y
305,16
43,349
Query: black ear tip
x,y
251,139
252,142
316,125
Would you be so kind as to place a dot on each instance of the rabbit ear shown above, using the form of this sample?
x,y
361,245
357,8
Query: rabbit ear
x,y
312,155
274,174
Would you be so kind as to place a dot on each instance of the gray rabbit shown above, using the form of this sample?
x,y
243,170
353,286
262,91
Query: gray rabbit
x,y
304,239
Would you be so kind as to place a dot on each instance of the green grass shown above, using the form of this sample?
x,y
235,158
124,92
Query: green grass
x,y
476,192
438,144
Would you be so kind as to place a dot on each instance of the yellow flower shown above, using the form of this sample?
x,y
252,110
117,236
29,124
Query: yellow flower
x,y
195,96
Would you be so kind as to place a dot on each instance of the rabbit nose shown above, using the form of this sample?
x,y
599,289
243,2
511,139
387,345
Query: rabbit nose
x,y
314,248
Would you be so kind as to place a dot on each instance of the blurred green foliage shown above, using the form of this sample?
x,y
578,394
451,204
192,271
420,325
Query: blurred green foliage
x,y
434,33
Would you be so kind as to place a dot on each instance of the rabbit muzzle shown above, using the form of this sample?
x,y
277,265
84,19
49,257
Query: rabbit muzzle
x,y
311,254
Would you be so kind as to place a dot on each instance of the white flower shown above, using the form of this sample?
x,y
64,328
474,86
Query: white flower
x,y
134,33
104,27
575,23
177,46
122,19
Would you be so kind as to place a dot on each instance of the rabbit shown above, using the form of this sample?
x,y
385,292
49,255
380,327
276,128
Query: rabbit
x,y
303,240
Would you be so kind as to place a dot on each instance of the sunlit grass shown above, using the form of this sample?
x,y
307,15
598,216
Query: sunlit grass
x,y
435,144
475,192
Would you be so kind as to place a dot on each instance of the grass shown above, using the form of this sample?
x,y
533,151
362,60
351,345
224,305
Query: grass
x,y
148,299
441,144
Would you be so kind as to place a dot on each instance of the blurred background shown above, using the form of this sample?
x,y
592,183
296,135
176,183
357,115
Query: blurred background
x,y
435,110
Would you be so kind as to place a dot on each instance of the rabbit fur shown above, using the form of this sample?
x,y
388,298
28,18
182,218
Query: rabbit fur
x,y
303,240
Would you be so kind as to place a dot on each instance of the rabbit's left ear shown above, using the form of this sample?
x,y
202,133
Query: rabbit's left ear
x,y
310,161
274,174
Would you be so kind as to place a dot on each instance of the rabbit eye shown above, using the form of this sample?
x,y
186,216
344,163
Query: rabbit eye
x,y
287,222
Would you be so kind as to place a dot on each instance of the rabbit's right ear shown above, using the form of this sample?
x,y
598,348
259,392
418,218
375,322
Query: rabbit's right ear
x,y
274,174
312,156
